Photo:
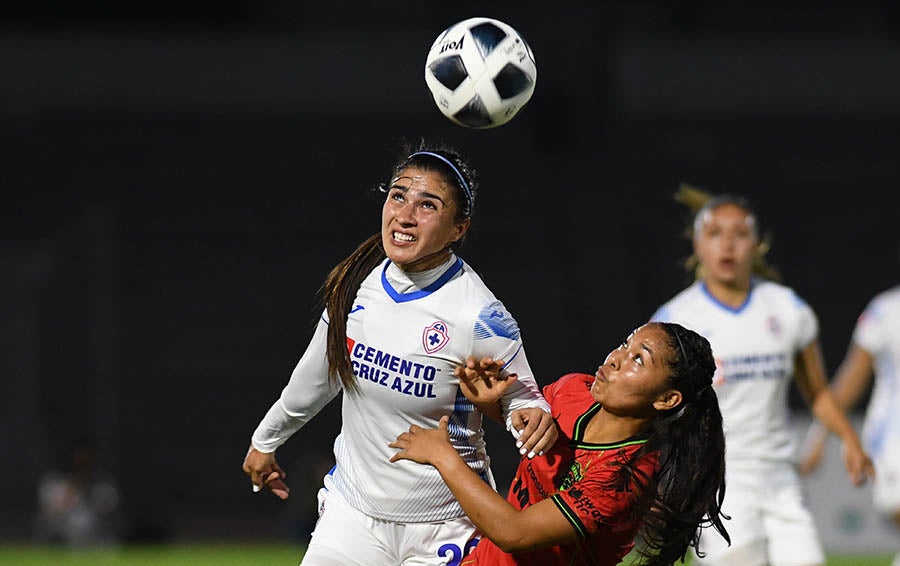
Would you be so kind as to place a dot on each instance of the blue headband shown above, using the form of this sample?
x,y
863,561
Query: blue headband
x,y
462,181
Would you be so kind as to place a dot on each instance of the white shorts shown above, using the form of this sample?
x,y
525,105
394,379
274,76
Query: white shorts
x,y
344,536
886,486
770,523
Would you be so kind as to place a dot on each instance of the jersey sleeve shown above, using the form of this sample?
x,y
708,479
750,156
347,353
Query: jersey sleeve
x,y
305,394
552,391
496,334
868,333
808,323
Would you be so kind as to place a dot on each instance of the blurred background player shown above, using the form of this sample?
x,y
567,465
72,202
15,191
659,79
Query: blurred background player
x,y
401,312
641,451
78,503
762,334
874,350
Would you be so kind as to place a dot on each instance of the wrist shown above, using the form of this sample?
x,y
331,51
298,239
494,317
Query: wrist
x,y
448,461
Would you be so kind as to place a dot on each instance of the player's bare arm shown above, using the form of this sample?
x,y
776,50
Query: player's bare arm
x,y
512,530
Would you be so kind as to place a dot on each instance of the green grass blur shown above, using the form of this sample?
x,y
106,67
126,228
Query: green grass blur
x,y
209,554
223,554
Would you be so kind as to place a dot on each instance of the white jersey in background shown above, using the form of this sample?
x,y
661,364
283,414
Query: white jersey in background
x,y
877,332
406,333
754,346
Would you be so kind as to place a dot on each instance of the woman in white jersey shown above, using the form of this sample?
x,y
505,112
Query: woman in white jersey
x,y
874,350
763,335
401,312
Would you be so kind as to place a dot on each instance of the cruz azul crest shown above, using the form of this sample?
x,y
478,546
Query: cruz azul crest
x,y
435,337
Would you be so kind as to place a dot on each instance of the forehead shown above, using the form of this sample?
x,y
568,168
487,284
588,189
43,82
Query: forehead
x,y
726,213
414,178
653,336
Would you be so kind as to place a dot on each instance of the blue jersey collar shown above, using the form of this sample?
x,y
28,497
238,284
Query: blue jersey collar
x,y
413,295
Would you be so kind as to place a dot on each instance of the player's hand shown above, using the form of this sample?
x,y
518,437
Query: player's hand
x,y
483,381
858,464
424,445
534,429
264,471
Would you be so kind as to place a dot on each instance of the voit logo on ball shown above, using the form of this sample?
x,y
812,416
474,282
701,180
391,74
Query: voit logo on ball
x,y
481,72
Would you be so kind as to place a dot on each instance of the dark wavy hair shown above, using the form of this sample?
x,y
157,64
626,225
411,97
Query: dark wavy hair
x,y
686,494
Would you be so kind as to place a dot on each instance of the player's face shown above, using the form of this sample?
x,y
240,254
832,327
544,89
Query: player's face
x,y
726,243
418,220
633,380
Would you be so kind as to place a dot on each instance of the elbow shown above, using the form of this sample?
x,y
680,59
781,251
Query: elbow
x,y
512,543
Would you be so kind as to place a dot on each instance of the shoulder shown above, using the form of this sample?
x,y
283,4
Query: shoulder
x,y
884,304
780,293
575,382
468,291
888,297
682,300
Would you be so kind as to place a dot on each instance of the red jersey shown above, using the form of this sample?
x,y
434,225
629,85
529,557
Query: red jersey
x,y
576,476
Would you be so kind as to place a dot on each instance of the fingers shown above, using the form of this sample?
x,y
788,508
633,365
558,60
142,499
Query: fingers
x,y
537,431
264,471
485,368
278,487
547,440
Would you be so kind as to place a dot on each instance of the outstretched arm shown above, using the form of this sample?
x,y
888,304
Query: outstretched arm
x,y
512,530
483,381
307,391
810,376
850,382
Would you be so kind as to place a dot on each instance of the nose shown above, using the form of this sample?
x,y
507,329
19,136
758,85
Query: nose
x,y
612,360
406,213
730,241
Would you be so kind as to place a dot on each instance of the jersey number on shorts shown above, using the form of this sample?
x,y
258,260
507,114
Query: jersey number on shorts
x,y
455,553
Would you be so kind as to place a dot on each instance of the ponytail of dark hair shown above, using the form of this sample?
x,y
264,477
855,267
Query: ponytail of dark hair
x,y
686,496
338,293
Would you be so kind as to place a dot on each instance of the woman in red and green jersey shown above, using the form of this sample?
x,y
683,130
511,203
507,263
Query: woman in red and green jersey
x,y
640,455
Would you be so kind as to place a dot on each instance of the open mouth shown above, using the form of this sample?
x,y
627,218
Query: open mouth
x,y
403,237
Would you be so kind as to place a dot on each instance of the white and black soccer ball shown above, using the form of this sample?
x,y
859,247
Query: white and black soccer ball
x,y
481,72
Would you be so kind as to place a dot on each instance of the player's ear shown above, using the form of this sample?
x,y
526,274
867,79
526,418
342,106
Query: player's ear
x,y
462,228
668,399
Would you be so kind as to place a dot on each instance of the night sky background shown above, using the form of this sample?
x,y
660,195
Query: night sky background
x,y
177,182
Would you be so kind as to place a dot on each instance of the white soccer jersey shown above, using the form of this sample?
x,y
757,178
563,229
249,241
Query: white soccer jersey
x,y
754,346
878,332
406,334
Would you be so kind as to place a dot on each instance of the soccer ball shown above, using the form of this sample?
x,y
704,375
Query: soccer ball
x,y
481,72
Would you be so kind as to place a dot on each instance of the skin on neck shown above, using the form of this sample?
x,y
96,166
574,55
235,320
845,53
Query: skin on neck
x,y
606,428
731,294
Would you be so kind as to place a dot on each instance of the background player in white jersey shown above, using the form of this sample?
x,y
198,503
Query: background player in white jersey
x,y
762,335
401,312
874,350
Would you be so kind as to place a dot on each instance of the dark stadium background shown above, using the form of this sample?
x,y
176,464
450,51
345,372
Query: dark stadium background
x,y
178,179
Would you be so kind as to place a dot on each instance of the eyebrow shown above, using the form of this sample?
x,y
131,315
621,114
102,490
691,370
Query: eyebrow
x,y
649,350
426,194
